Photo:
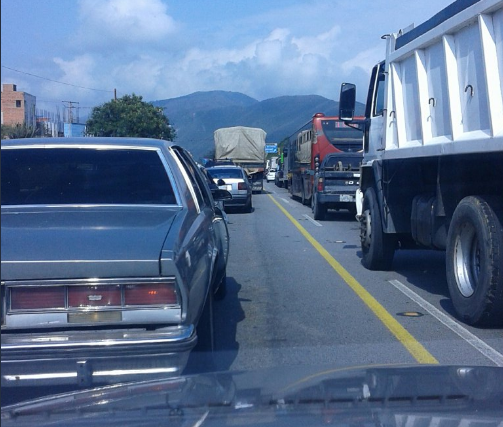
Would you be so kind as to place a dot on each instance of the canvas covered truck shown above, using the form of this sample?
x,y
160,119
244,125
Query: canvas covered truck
x,y
432,174
245,146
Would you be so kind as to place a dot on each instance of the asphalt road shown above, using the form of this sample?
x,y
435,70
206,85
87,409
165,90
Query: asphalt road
x,y
298,295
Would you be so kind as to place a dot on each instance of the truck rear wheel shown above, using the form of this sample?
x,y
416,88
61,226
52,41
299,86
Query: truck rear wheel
x,y
319,210
303,198
474,260
378,248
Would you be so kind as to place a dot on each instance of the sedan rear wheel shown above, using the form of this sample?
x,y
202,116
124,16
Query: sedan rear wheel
x,y
205,332
222,289
248,207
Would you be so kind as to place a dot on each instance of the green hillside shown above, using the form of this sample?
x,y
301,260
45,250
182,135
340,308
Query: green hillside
x,y
195,117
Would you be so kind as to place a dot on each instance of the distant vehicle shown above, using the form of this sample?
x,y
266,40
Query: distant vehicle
x,y
432,174
245,147
234,180
278,177
311,143
272,163
218,203
112,251
271,175
335,183
283,175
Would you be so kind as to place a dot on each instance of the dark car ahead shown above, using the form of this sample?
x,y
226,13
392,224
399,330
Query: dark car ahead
x,y
111,255
335,183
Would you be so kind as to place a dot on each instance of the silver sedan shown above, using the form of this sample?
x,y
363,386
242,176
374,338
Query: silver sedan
x,y
112,252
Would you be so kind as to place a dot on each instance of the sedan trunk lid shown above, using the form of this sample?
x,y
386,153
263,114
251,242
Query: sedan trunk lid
x,y
83,242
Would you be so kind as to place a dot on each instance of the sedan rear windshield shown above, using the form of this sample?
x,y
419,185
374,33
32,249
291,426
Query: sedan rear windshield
x,y
84,176
225,173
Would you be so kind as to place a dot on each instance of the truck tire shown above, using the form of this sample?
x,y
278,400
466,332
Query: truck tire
x,y
378,248
303,199
474,260
319,209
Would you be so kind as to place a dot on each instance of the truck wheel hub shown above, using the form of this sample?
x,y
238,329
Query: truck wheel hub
x,y
365,228
467,260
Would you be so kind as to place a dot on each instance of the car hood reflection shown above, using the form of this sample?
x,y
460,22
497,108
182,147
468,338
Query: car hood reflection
x,y
387,395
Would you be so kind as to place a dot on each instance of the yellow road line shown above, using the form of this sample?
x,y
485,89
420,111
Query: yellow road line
x,y
414,347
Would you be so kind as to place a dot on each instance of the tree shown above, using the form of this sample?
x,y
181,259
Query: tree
x,y
130,116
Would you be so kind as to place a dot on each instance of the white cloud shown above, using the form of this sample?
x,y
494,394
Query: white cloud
x,y
140,76
274,65
322,44
364,60
82,78
128,21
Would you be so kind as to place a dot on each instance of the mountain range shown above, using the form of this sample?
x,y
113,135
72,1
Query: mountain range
x,y
196,116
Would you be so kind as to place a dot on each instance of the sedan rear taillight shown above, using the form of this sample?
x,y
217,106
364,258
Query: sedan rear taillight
x,y
35,298
150,294
96,294
242,186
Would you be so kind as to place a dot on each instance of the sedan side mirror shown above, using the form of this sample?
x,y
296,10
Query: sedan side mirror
x,y
220,181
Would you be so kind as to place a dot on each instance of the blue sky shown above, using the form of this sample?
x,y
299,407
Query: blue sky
x,y
169,48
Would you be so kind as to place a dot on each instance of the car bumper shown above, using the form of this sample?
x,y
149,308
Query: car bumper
x,y
237,200
336,198
94,357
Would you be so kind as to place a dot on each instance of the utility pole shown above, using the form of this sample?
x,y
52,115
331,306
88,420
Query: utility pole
x,y
70,107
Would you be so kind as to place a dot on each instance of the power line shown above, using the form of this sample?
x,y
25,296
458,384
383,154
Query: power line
x,y
53,101
56,81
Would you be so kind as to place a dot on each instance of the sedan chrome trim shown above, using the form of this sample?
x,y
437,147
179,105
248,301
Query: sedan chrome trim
x,y
116,372
91,339
188,183
76,260
90,280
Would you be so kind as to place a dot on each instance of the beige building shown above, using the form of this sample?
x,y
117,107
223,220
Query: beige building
x,y
18,107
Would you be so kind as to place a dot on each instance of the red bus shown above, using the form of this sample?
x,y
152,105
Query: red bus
x,y
312,142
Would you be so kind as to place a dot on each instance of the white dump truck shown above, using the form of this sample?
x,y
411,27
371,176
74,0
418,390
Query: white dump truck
x,y
432,175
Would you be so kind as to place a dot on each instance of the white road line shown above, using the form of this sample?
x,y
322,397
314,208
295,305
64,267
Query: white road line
x,y
286,201
454,326
312,220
